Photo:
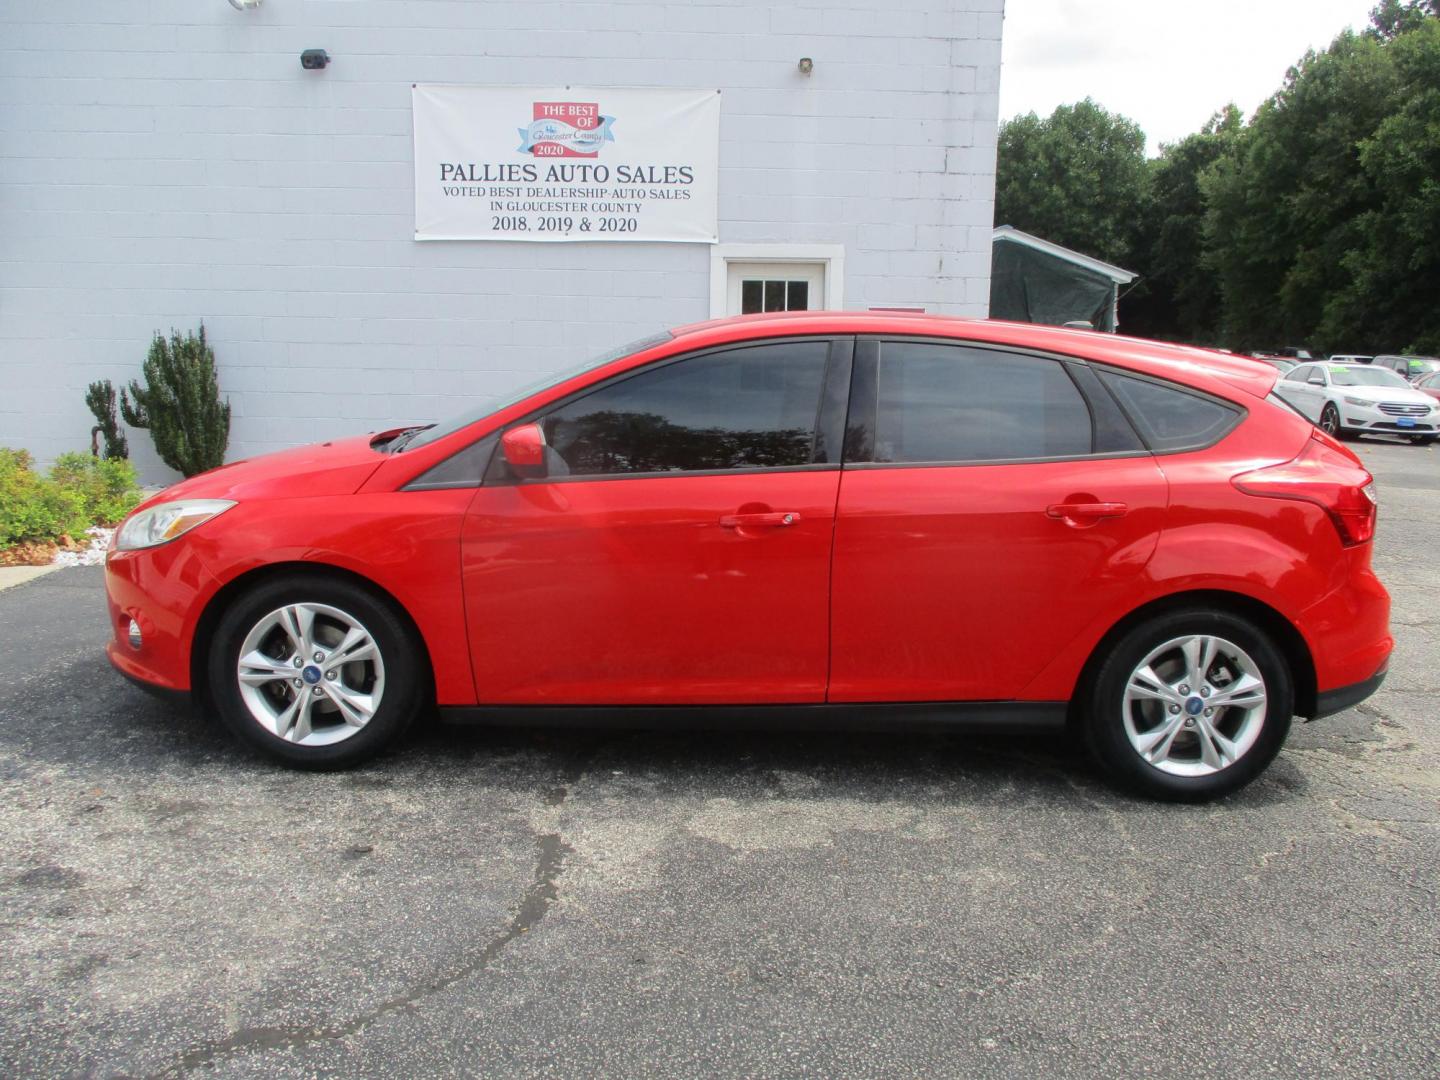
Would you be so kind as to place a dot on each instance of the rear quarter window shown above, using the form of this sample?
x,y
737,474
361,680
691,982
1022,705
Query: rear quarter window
x,y
1169,417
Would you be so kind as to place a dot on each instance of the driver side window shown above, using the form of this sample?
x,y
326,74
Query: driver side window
x,y
745,408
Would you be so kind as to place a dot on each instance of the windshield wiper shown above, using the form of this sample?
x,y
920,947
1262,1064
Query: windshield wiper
x,y
399,442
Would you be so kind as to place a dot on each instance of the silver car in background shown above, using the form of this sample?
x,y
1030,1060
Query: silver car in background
x,y
1413,368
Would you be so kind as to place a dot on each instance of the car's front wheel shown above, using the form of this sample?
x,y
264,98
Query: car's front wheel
x,y
1189,706
1330,421
316,672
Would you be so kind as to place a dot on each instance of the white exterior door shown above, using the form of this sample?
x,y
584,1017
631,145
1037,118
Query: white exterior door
x,y
774,286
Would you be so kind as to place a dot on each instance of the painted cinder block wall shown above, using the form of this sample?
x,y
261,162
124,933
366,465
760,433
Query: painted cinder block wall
x,y
169,161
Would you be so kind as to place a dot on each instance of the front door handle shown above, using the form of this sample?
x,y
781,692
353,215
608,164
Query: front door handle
x,y
778,519
1080,514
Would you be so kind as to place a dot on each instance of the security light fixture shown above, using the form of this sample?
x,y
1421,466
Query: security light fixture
x,y
806,65
244,5
314,59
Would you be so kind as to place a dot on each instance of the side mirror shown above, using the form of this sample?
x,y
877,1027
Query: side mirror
x,y
1317,380
524,450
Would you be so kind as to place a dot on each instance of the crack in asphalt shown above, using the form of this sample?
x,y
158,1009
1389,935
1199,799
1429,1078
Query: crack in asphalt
x,y
539,897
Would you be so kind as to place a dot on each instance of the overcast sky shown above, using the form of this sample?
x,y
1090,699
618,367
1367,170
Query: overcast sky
x,y
1166,64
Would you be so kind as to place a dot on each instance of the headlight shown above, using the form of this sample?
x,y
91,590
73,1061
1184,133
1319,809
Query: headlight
x,y
1361,402
163,522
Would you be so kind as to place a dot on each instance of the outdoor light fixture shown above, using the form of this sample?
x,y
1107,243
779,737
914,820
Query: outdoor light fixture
x,y
314,59
244,5
806,65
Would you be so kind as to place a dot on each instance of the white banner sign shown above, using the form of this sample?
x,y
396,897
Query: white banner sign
x,y
547,163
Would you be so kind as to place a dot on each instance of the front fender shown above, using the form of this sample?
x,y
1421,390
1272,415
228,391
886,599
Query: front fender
x,y
406,543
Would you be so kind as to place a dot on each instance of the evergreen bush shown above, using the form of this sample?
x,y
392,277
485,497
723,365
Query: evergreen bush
x,y
101,399
180,403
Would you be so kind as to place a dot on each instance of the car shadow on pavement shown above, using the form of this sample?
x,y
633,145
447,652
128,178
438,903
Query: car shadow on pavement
x,y
138,734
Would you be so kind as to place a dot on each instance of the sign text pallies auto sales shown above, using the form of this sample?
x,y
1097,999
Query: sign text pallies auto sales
x,y
589,164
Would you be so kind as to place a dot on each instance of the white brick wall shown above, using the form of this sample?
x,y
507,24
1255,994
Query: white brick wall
x,y
169,161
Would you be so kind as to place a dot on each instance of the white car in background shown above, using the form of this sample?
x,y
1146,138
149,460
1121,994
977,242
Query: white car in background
x,y
1358,399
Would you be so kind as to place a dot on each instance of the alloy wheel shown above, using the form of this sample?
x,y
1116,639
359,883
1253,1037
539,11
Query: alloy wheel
x,y
310,674
1194,705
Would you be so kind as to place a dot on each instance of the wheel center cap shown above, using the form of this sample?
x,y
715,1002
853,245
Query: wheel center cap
x,y
1193,705
311,674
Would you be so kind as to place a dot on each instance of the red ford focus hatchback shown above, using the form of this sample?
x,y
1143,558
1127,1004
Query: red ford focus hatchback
x,y
825,519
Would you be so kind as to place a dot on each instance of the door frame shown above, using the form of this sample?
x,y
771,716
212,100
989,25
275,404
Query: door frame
x,y
829,257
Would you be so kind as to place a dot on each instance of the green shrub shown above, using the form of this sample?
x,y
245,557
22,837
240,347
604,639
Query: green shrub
x,y
180,403
100,397
107,485
33,508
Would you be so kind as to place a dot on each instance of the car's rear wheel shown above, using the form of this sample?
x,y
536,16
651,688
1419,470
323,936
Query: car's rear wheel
x,y
316,672
1189,706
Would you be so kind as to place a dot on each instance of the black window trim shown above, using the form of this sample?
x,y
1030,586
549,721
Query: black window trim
x,y
420,483
852,376
1238,412
865,399
837,369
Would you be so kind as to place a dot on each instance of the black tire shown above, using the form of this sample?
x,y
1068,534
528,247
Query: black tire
x,y
405,667
1422,440
1103,706
1330,422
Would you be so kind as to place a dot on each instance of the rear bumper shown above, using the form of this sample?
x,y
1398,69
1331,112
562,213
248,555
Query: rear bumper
x,y
1348,633
1330,702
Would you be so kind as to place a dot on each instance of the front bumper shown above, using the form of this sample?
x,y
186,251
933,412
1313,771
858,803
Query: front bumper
x,y
142,678
163,589
1354,418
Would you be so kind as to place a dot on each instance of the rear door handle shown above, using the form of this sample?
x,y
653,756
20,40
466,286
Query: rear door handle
x,y
778,519
1086,512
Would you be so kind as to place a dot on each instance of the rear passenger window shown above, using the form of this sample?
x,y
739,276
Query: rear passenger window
x,y
945,403
1169,418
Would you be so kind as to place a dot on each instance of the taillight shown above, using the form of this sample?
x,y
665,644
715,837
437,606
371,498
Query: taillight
x,y
1328,476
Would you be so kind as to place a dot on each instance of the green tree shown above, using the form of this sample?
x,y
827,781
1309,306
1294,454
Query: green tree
x,y
1287,207
1392,298
1074,178
180,403
1179,297
1391,18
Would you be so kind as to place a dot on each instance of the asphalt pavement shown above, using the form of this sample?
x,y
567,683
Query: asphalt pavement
x,y
634,905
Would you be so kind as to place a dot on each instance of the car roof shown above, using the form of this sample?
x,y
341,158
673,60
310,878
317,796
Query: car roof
x,y
1163,359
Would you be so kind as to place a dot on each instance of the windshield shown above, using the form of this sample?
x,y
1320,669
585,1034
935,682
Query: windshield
x,y
1411,365
489,405
1364,376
